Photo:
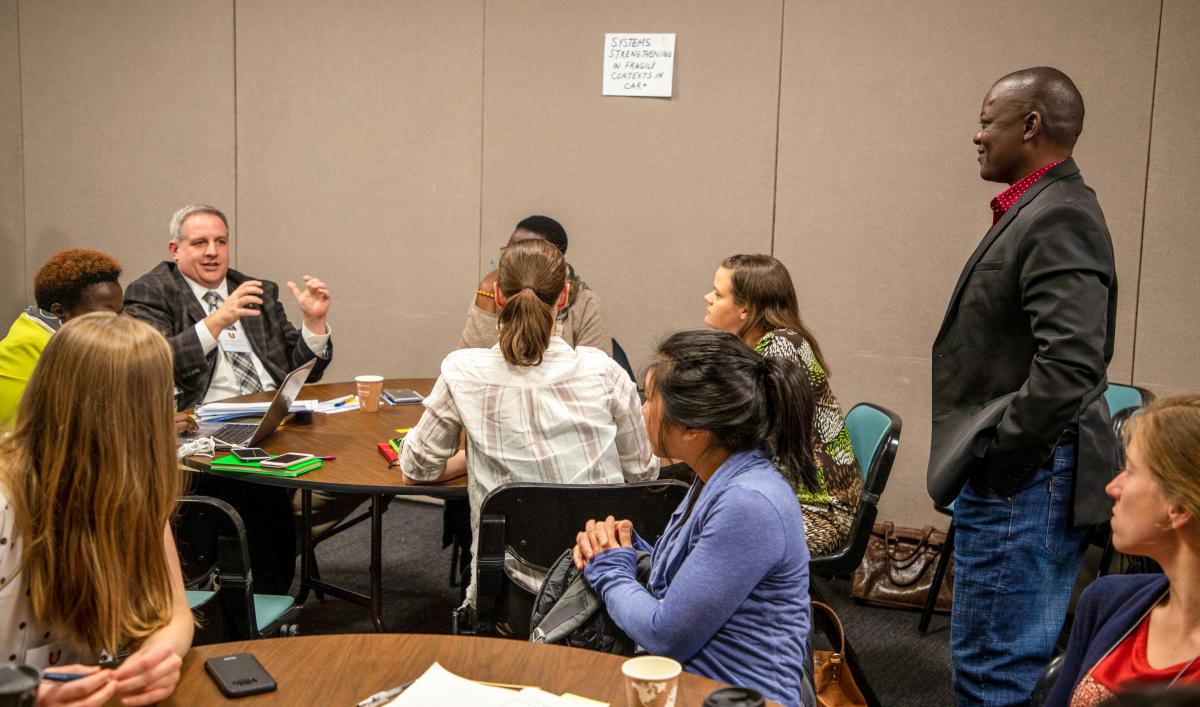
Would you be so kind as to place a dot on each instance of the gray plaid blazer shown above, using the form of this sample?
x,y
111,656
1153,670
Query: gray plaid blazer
x,y
162,299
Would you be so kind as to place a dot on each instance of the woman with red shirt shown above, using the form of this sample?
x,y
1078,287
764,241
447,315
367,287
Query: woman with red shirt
x,y
1138,629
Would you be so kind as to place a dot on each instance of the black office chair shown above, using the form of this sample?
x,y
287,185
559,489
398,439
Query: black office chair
x,y
622,360
536,523
211,540
875,435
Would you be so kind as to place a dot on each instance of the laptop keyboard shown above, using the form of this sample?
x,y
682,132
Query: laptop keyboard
x,y
235,433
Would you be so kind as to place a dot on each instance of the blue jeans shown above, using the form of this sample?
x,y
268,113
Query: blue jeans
x,y
1015,561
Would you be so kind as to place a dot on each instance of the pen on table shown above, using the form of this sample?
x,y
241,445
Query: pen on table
x,y
62,677
383,695
343,401
328,459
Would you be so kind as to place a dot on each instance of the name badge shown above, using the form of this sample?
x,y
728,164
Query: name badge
x,y
233,341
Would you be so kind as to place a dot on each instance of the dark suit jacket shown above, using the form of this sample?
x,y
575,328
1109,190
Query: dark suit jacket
x,y
163,299
1022,353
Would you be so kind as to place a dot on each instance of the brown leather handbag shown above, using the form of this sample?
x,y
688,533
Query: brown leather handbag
x,y
832,680
897,568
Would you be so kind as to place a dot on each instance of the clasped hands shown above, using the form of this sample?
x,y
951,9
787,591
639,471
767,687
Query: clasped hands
x,y
599,536
246,301
146,677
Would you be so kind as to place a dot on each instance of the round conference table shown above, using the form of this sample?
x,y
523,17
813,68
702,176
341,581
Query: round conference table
x,y
343,669
351,437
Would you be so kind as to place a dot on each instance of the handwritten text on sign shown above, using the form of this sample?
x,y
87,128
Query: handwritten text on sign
x,y
639,64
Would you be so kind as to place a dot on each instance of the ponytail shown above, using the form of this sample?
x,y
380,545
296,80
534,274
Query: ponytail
x,y
531,275
789,418
712,381
526,324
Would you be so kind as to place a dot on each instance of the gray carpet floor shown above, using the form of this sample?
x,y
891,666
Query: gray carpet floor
x,y
903,667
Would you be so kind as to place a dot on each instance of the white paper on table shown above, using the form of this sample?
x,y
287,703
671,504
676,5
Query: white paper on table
x,y
437,687
225,409
535,697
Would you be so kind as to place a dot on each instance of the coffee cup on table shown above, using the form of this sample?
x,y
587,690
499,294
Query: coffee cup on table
x,y
18,685
651,681
369,388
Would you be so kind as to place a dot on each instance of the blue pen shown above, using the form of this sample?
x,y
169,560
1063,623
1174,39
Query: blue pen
x,y
61,677
343,401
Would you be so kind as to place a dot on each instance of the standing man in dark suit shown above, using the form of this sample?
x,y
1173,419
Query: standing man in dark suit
x,y
231,336
1022,441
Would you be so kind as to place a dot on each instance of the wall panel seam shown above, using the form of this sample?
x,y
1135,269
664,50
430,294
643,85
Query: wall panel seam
x,y
778,111
236,194
482,128
1137,295
26,276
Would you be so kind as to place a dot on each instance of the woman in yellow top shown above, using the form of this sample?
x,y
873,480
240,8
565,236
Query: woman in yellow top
x,y
88,482
71,283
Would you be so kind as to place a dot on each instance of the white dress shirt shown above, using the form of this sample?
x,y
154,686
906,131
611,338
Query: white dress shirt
x,y
224,382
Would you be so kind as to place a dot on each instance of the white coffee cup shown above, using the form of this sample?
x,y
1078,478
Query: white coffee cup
x,y
651,681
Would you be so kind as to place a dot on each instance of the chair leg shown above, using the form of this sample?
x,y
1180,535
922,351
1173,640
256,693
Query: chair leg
x,y
851,658
939,576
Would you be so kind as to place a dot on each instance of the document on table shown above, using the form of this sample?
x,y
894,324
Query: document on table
x,y
228,411
438,686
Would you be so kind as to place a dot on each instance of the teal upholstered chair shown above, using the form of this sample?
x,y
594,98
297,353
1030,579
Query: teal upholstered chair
x,y
211,540
875,436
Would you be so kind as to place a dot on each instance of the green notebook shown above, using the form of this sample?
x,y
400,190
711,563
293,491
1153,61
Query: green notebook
x,y
231,463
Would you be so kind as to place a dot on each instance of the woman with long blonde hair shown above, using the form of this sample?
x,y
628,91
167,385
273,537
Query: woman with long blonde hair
x,y
88,479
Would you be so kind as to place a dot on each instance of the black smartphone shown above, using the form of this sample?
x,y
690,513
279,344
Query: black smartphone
x,y
239,675
251,454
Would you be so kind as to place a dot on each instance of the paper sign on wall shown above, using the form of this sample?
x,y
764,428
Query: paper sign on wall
x,y
639,64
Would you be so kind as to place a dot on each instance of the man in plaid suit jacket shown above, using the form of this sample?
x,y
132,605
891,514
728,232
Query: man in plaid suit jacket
x,y
231,336
171,298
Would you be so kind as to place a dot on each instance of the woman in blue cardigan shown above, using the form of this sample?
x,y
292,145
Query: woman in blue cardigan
x,y
728,590
1145,628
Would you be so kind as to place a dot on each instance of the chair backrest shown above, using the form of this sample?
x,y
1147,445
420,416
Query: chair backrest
x,y
1122,397
537,522
622,360
211,539
875,436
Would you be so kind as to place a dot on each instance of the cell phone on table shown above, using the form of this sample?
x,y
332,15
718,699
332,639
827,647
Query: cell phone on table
x,y
283,461
239,675
401,396
251,454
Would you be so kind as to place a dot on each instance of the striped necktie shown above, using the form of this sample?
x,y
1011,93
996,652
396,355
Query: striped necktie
x,y
243,366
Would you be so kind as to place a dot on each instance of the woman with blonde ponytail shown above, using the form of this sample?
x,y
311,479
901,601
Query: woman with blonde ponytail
x,y
533,408
88,482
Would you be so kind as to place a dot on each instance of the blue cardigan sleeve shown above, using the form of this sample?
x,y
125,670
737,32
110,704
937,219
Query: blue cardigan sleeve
x,y
741,540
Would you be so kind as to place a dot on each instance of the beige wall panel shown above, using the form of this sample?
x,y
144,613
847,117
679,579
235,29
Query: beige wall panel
x,y
12,207
128,115
653,192
358,162
879,197
1168,334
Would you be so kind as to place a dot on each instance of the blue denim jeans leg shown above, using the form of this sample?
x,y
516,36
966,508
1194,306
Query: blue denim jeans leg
x,y
1015,561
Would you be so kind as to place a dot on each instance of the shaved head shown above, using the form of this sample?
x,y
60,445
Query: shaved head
x,y
1052,95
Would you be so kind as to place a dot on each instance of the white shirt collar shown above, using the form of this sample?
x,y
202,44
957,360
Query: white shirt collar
x,y
200,290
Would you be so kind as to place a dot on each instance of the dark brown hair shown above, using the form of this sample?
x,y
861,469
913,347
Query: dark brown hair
x,y
68,273
710,380
764,287
531,275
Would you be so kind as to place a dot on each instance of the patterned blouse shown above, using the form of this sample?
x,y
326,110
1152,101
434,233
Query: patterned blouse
x,y
828,510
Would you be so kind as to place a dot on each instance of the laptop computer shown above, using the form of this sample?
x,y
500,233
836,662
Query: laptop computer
x,y
249,434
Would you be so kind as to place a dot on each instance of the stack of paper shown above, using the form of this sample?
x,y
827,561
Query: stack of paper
x,y
217,412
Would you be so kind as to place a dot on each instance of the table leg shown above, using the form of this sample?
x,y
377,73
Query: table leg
x,y
306,545
377,562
